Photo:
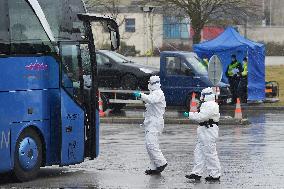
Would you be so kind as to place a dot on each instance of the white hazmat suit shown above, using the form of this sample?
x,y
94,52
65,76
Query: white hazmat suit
x,y
205,153
154,122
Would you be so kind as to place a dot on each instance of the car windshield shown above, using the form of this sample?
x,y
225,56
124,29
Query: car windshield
x,y
117,57
197,64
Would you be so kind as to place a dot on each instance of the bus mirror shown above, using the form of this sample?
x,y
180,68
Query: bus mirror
x,y
111,24
114,40
114,36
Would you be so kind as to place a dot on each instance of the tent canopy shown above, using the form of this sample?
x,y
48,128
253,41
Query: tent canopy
x,y
231,42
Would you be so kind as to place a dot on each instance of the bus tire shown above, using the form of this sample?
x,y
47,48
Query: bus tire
x,y
28,155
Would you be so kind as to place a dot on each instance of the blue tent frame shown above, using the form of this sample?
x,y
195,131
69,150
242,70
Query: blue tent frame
x,y
231,42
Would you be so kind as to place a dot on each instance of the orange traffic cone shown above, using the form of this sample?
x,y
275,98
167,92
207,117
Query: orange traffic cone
x,y
193,103
101,110
238,111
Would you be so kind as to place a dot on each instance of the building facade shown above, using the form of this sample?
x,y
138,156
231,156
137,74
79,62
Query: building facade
x,y
152,28
147,30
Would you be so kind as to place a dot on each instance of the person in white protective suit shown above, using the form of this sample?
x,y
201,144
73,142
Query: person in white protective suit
x,y
205,153
154,124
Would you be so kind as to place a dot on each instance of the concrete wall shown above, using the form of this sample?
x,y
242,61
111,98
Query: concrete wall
x,y
155,61
277,11
266,34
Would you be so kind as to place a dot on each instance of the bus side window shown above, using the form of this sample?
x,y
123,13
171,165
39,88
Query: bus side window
x,y
4,29
69,53
26,33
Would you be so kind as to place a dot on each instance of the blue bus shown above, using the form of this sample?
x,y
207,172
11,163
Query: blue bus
x,y
47,115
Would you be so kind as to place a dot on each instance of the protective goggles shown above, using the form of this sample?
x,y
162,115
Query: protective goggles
x,y
205,94
156,82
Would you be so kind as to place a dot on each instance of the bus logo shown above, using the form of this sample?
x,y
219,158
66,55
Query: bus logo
x,y
37,67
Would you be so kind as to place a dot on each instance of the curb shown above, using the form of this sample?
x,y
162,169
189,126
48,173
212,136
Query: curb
x,y
253,108
138,120
244,107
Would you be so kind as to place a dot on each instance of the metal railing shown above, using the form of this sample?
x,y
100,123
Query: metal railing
x,y
117,100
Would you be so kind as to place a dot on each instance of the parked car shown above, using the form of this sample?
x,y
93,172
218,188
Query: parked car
x,y
182,74
116,71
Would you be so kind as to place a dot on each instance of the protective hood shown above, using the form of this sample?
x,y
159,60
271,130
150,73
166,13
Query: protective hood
x,y
154,83
209,98
207,94
154,87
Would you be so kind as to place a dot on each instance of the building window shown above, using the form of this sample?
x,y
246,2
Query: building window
x,y
129,25
176,28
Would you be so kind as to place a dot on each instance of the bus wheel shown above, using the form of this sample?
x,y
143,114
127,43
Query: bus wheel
x,y
28,155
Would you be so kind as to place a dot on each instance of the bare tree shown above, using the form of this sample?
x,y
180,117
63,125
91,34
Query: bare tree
x,y
202,12
110,7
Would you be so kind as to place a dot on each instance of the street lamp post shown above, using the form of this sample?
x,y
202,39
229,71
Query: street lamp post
x,y
270,9
148,23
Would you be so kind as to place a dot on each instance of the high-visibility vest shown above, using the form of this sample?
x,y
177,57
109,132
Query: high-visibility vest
x,y
205,61
245,69
231,67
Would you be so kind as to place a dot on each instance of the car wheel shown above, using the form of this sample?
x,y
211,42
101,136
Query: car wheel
x,y
117,107
129,82
188,100
28,155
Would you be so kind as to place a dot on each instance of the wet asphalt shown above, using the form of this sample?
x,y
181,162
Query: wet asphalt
x,y
251,157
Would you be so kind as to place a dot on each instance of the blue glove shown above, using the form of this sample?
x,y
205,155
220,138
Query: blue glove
x,y
137,94
186,114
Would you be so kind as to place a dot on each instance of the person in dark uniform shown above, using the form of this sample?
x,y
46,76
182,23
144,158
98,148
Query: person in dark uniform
x,y
205,61
233,73
243,85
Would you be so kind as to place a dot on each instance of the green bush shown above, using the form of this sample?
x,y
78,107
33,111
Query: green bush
x,y
124,49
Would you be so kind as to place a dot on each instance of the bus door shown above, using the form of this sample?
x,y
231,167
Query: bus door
x,y
72,104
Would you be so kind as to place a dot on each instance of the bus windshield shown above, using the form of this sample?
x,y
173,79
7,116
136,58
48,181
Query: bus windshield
x,y
63,20
69,33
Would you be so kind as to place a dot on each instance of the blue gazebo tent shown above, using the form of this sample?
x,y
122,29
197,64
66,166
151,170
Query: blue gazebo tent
x,y
231,42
